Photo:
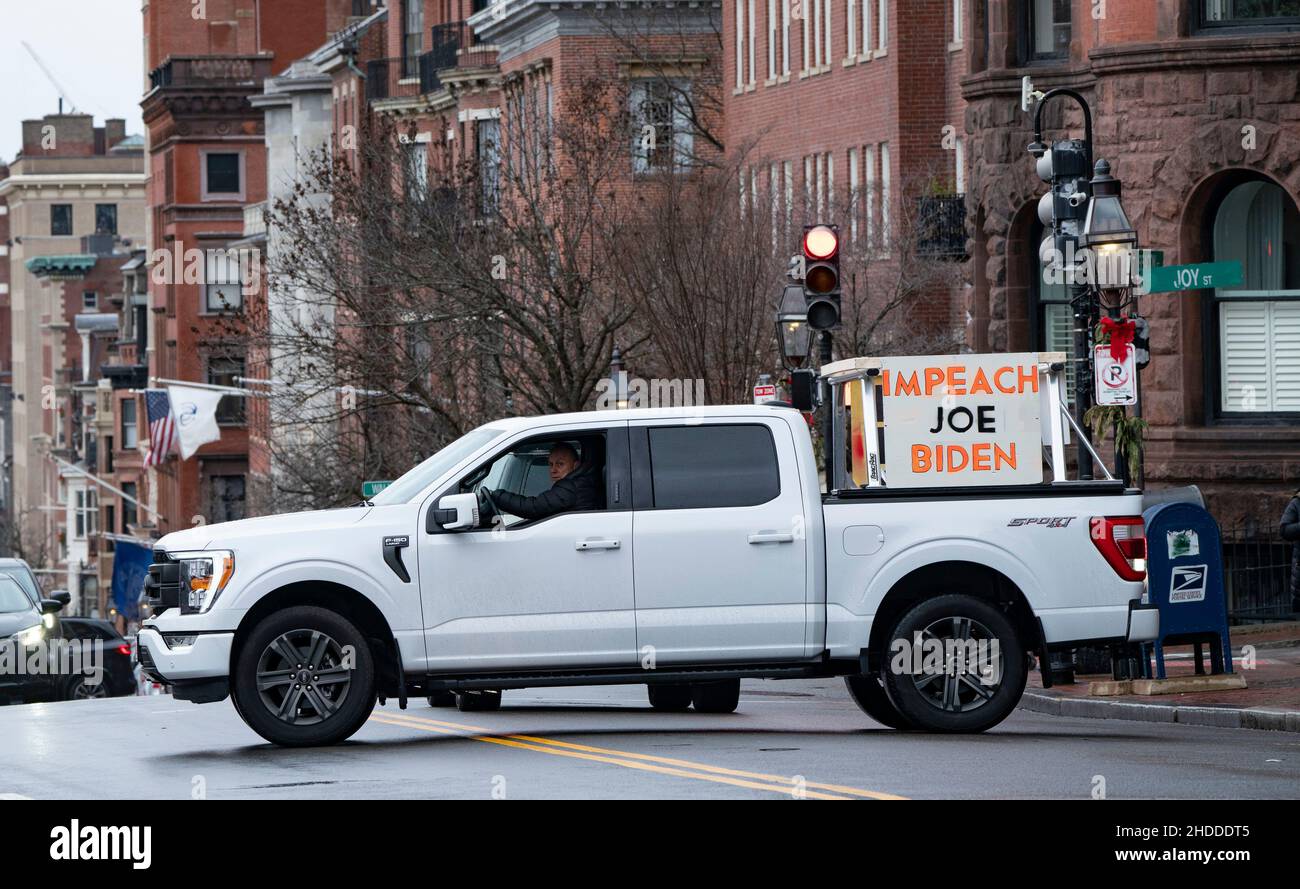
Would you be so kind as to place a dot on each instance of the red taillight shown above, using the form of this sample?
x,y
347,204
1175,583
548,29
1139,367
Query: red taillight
x,y
1122,542
124,648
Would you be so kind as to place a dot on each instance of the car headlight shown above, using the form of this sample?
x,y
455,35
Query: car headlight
x,y
29,635
203,576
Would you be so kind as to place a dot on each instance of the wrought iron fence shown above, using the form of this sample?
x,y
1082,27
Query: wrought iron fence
x,y
1257,571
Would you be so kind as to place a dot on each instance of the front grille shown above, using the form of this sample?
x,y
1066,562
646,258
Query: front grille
x,y
162,587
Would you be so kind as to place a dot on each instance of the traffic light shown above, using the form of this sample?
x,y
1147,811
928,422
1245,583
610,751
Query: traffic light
x,y
1064,208
821,275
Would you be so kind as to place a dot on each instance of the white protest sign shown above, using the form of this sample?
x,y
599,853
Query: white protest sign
x,y
961,420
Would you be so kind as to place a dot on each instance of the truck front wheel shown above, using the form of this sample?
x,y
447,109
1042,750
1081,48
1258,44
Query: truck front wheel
x,y
716,697
305,677
954,664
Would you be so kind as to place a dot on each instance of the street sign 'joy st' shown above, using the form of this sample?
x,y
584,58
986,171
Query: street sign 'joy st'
x,y
1195,277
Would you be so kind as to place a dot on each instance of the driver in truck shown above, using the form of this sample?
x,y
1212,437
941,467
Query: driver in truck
x,y
574,487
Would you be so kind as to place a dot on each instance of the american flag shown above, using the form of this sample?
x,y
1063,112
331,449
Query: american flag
x,y
162,426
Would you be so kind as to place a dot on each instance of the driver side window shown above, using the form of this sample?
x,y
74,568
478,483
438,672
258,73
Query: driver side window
x,y
545,476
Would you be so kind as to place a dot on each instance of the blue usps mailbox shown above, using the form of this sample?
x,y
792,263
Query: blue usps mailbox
x,y
1185,580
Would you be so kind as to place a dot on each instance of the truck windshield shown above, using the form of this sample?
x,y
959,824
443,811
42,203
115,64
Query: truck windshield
x,y
419,478
12,597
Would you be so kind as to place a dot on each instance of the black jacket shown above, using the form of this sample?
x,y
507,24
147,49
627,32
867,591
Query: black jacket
x,y
578,490
1291,531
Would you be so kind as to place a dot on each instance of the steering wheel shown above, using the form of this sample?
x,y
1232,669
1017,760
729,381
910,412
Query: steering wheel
x,y
486,505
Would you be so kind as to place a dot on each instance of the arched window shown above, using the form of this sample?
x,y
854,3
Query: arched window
x,y
1051,316
1258,225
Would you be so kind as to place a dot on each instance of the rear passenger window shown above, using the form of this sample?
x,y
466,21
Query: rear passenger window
x,y
712,466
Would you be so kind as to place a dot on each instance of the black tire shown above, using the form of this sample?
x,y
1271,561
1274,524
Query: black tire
x,y
716,697
80,687
673,697
442,699
869,694
315,712
478,701
948,700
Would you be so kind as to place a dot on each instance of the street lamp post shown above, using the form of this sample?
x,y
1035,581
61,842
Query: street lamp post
x,y
793,334
1066,165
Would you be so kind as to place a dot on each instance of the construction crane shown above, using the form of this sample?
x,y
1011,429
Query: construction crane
x,y
63,94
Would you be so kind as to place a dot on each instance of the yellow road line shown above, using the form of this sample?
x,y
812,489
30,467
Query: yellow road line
x,y
783,784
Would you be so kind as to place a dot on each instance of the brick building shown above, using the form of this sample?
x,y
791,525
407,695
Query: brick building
x,y
75,197
850,112
1196,106
207,164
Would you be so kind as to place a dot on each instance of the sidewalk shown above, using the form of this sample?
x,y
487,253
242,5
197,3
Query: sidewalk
x,y
1271,699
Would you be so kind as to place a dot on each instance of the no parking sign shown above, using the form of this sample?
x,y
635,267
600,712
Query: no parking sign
x,y
1116,377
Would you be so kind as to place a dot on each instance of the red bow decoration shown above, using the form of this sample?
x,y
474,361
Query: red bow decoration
x,y
1121,332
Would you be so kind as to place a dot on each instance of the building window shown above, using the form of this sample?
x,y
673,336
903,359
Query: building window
x,y
1258,349
1047,29
740,44
106,219
89,301
882,24
60,219
1050,312
959,165
86,516
487,134
826,32
866,27
228,371
130,489
869,182
223,176
1238,13
417,171
129,438
806,58
785,38
662,136
412,36
956,21
772,23
854,196
223,289
885,231
226,498
751,29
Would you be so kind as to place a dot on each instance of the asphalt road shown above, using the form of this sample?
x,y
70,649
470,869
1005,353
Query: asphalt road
x,y
788,739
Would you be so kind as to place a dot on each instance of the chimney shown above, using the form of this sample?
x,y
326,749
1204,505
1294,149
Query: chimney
x,y
114,131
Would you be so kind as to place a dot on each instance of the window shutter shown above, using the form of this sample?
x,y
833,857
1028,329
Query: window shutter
x,y
1286,356
1244,337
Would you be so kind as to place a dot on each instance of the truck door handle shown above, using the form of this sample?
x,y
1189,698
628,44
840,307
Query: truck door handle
x,y
772,537
597,543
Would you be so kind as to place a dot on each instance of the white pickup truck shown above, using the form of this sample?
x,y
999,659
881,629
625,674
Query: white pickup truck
x,y
711,555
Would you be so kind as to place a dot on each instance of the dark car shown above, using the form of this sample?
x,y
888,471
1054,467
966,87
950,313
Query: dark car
x,y
25,624
119,676
23,575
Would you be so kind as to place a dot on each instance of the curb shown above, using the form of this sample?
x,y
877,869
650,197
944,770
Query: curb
x,y
1251,718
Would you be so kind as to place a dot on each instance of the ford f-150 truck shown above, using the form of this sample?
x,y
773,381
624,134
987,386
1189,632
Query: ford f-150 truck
x,y
713,555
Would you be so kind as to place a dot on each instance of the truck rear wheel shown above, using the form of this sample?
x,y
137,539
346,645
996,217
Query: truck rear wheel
x,y
968,672
305,677
671,696
869,694
716,697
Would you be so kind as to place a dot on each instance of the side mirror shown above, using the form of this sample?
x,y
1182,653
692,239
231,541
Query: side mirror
x,y
455,512
51,606
63,597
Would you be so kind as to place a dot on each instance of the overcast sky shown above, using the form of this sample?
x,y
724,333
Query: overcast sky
x,y
92,47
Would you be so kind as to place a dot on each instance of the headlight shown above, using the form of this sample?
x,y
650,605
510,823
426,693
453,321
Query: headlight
x,y
48,620
29,635
203,576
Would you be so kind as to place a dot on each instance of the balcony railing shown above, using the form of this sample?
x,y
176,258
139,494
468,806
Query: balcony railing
x,y
387,79
454,45
211,71
941,226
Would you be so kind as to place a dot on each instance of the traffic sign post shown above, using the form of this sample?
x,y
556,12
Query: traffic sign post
x,y
1116,378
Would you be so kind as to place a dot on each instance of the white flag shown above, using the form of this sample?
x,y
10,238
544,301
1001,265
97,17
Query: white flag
x,y
195,411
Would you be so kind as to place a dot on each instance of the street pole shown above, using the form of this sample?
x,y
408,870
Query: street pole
x,y
828,430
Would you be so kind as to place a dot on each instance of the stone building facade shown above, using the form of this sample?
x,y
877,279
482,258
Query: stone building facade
x,y
1197,109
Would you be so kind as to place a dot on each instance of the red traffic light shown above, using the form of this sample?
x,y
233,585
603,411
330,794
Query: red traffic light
x,y
820,242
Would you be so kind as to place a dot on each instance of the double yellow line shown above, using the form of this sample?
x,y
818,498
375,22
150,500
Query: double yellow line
x,y
663,765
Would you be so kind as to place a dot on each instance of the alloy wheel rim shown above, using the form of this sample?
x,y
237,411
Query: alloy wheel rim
x,y
301,677
961,685
85,691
